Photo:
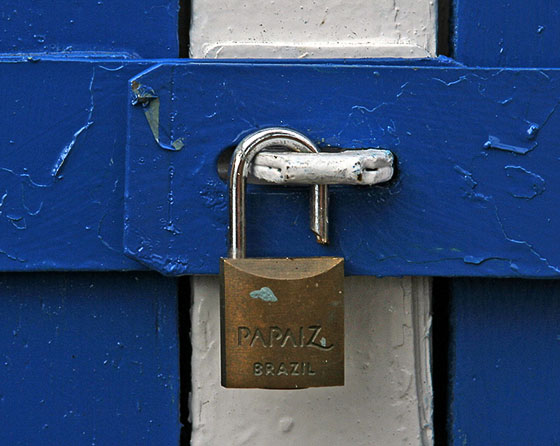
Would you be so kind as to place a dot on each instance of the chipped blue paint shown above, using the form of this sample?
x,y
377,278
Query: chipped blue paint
x,y
66,150
88,358
495,143
93,358
505,386
72,159
265,294
106,28
470,186
525,184
532,131
504,348
62,164
514,33
456,206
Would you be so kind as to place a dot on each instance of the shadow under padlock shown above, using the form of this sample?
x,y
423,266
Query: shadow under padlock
x,y
282,319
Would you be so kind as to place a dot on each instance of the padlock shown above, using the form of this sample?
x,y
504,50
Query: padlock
x,y
282,319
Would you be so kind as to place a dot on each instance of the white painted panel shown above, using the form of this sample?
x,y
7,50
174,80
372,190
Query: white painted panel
x,y
378,404
313,28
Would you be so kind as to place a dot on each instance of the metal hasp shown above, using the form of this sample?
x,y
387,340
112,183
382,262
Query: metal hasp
x,y
356,167
304,165
282,319
351,167
242,158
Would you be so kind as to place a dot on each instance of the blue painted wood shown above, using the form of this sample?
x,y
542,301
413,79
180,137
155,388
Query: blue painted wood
x,y
514,33
62,164
88,359
507,343
117,28
504,385
476,188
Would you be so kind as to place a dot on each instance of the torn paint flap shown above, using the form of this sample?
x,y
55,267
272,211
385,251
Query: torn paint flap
x,y
142,94
146,97
494,142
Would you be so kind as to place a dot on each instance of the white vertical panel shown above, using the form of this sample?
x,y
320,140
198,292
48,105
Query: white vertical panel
x,y
379,405
313,28
387,397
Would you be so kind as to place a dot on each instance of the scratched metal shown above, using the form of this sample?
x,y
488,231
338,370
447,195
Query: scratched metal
x,y
115,28
475,191
88,359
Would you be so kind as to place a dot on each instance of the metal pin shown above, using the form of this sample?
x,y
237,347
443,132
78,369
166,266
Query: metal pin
x,y
357,167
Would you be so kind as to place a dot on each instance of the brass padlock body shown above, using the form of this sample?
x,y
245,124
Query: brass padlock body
x,y
282,322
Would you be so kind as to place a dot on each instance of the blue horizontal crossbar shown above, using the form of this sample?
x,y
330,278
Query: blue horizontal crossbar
x,y
476,190
474,194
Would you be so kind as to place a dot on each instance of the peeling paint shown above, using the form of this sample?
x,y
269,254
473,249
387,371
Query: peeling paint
x,y
532,131
494,142
2,200
13,204
147,98
444,216
531,248
12,257
524,183
214,196
68,148
449,84
100,235
17,221
167,265
471,184
475,260
550,113
25,176
170,226
120,67
29,211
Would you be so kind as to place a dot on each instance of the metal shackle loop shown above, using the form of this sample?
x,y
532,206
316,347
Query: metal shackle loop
x,y
242,158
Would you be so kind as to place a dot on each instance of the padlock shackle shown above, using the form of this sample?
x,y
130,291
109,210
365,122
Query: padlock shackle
x,y
242,158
